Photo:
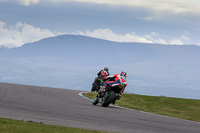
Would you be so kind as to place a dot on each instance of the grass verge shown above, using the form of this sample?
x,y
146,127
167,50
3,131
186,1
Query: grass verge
x,y
188,109
16,126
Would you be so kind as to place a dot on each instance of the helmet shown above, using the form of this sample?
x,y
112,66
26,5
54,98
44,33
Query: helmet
x,y
106,69
123,73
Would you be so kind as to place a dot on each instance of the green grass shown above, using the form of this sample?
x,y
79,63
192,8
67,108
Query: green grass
x,y
188,109
15,126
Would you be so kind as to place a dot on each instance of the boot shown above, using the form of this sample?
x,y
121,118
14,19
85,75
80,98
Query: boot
x,y
114,102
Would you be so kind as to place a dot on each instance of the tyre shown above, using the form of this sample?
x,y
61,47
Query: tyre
x,y
95,101
109,99
94,86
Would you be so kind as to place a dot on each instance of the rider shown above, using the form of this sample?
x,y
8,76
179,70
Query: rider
x,y
101,76
117,78
103,73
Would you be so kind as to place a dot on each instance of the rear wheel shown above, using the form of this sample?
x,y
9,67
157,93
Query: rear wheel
x,y
110,98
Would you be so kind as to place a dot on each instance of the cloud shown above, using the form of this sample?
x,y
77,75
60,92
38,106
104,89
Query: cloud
x,y
107,34
176,6
28,2
153,37
176,41
180,40
21,33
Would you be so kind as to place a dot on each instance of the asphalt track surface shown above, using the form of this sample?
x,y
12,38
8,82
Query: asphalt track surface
x,y
67,108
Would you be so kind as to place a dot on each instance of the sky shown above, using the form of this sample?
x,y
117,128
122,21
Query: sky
x,y
167,22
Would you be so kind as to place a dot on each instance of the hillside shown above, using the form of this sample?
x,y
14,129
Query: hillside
x,y
79,50
71,61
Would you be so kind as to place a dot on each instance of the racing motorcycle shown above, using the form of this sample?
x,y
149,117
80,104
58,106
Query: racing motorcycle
x,y
98,82
110,95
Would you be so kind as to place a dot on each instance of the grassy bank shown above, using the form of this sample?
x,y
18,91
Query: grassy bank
x,y
188,109
15,126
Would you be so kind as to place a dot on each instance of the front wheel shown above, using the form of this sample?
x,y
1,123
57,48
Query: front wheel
x,y
94,86
109,99
95,101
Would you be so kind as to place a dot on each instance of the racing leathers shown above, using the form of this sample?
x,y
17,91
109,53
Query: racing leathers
x,y
99,80
110,80
103,74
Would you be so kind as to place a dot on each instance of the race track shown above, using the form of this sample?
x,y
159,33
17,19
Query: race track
x,y
67,108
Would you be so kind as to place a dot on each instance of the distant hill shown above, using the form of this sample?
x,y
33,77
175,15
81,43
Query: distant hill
x,y
72,61
80,50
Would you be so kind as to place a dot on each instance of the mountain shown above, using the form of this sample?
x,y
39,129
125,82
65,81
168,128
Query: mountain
x,y
72,61
69,48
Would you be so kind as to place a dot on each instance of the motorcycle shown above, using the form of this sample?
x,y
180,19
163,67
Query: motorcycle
x,y
111,94
98,82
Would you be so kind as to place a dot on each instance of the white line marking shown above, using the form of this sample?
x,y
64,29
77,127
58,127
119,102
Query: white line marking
x,y
81,94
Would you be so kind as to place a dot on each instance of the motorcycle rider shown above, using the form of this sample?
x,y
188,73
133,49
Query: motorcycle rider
x,y
101,76
103,73
117,78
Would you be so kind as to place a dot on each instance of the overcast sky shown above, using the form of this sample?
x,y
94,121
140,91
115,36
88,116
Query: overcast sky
x,y
149,21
